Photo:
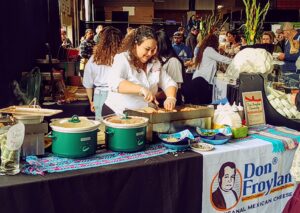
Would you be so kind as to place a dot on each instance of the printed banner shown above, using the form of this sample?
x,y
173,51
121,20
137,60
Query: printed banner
x,y
246,177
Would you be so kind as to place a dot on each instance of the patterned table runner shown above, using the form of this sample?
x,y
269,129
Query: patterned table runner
x,y
51,164
282,138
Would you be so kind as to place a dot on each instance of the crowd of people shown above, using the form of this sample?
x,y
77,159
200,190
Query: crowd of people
x,y
128,71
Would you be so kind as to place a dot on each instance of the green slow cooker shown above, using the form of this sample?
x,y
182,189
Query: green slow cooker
x,y
74,137
125,133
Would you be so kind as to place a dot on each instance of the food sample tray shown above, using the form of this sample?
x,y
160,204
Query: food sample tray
x,y
185,112
29,110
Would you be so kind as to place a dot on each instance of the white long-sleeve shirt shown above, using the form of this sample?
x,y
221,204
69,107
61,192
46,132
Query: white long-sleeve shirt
x,y
153,78
174,68
96,75
208,66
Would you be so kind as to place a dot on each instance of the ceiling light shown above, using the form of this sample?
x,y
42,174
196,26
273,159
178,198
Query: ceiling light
x,y
219,7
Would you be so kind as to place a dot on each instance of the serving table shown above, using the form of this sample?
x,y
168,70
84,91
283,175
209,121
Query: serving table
x,y
174,182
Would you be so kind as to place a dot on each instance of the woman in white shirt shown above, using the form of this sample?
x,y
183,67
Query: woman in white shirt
x,y
97,69
170,63
137,74
200,89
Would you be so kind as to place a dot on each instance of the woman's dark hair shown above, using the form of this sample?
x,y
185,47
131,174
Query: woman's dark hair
x,y
108,45
136,37
164,45
211,40
235,34
270,34
165,49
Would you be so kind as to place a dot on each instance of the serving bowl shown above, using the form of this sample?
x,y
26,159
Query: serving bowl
x,y
177,141
215,136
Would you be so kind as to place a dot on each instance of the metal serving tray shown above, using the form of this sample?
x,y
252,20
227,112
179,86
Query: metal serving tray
x,y
198,112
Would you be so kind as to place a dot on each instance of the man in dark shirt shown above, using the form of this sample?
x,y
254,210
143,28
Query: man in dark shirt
x,y
86,48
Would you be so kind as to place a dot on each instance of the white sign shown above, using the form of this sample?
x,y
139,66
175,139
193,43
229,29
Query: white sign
x,y
15,136
246,177
130,10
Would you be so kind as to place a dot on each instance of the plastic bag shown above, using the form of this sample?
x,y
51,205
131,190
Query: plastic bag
x,y
250,60
31,84
224,115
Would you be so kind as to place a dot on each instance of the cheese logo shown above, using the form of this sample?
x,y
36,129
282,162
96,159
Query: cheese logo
x,y
225,188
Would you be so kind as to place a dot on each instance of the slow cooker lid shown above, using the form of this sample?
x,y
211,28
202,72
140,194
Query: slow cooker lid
x,y
119,121
74,122
130,120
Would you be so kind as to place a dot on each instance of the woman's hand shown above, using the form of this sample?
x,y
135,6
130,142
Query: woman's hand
x,y
148,95
92,107
170,103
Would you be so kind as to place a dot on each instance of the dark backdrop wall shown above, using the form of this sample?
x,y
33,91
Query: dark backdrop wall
x,y
26,25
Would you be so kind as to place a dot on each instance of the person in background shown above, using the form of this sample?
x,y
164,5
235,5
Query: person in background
x,y
98,32
192,22
291,48
170,63
268,38
65,41
86,49
279,39
232,45
200,89
183,33
243,40
182,51
98,68
136,75
191,40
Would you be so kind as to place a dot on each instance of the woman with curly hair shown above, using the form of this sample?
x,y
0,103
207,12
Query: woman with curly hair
x,y
206,66
98,68
137,74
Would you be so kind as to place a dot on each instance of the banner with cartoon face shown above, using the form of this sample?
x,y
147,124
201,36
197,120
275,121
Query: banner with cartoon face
x,y
246,177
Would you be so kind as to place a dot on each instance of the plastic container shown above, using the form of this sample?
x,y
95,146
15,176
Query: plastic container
x,y
241,132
